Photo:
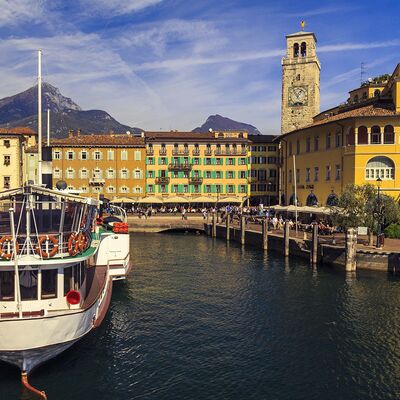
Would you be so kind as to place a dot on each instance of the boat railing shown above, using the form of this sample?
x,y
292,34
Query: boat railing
x,y
119,212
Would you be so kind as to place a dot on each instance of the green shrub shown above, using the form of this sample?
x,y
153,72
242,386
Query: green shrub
x,y
393,231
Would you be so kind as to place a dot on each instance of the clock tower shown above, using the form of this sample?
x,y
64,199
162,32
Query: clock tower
x,y
300,81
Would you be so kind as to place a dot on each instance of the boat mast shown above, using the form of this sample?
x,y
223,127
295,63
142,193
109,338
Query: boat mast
x,y
40,117
48,127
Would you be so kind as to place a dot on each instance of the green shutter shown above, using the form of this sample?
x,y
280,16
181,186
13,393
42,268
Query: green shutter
x,y
234,174
234,188
226,174
226,188
159,160
147,160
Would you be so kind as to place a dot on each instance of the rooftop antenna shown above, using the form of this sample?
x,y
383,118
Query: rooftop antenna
x,y
302,25
362,72
40,116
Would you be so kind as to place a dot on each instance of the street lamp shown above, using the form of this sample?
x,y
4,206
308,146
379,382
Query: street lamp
x,y
378,235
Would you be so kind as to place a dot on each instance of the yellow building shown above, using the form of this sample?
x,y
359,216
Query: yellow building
x,y
113,165
13,141
263,170
357,142
190,165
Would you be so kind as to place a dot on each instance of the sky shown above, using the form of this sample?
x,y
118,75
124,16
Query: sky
x,y
169,64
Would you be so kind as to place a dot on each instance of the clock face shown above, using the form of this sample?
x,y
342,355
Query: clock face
x,y
298,95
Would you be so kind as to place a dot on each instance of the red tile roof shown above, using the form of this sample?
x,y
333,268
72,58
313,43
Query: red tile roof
x,y
18,130
110,140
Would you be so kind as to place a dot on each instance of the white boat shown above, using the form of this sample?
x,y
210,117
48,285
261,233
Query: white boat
x,y
56,272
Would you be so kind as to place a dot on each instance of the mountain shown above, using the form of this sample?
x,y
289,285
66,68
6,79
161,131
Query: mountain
x,y
220,123
65,114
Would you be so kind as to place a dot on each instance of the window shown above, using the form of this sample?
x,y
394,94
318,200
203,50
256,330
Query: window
x,y
356,98
377,93
208,188
70,155
230,161
150,161
174,188
97,173
316,173
208,161
7,160
296,50
311,200
110,189
242,174
29,291
196,161
110,173
124,189
185,189
124,155
84,155
207,174
218,188
97,155
337,174
230,175
380,167
84,173
84,189
271,148
271,160
231,189
328,173
124,173
242,161
137,189
150,189
328,140
150,174
49,283
272,173
57,173
308,177
7,285
70,173
6,182
316,143
350,137
375,135
218,161
163,189
138,174
388,135
197,188
242,189
6,143
163,161
308,145
303,49
57,155
110,155
338,141
218,175
362,134
365,96
138,155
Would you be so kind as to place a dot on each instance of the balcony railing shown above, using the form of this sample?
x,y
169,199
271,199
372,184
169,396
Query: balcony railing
x,y
180,152
163,151
208,152
97,181
180,167
150,152
195,180
231,152
196,152
162,180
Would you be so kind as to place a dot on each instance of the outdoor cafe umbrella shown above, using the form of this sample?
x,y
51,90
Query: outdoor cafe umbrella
x,y
122,200
203,199
150,200
177,200
230,200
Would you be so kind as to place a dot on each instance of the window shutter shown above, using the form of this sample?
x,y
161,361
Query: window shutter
x,y
234,174
234,161
159,160
226,188
213,174
226,174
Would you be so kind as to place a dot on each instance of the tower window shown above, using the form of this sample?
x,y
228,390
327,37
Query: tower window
x,y
303,49
296,50
297,77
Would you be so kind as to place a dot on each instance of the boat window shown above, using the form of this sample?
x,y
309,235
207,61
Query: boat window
x,y
28,285
49,283
74,277
68,280
7,286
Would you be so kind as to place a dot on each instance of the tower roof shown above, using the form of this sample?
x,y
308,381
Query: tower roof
x,y
302,33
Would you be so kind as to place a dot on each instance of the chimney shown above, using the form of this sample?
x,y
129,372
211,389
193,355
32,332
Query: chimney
x,y
78,132
70,133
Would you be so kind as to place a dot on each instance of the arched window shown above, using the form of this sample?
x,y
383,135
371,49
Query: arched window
x,y
375,135
356,98
350,137
311,200
332,200
377,93
291,200
298,77
296,50
365,96
379,167
388,136
303,49
362,135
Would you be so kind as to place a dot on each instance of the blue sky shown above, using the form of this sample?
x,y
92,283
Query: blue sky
x,y
169,64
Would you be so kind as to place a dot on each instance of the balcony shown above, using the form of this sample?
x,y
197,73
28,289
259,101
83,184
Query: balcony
x,y
97,181
162,180
208,152
180,152
180,167
163,151
150,152
196,152
195,180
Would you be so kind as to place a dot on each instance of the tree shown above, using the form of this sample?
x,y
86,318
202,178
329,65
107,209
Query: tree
x,y
358,205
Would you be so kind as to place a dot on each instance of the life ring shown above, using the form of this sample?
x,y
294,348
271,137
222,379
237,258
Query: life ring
x,y
73,245
6,240
43,239
83,241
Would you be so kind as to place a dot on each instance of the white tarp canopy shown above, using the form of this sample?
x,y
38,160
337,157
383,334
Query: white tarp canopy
x,y
203,199
150,200
230,200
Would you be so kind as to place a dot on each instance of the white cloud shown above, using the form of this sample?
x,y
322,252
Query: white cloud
x,y
117,7
13,12
357,46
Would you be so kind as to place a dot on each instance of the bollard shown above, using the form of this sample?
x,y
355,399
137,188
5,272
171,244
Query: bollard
x,y
351,249
314,245
214,225
243,230
265,233
286,237
228,228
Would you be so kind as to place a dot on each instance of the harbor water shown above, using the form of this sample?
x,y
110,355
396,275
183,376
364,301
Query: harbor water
x,y
202,319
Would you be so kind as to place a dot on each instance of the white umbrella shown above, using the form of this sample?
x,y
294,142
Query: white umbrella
x,y
150,200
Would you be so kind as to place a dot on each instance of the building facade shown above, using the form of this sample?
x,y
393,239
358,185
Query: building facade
x,y
13,141
263,170
113,165
354,143
300,81
190,165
